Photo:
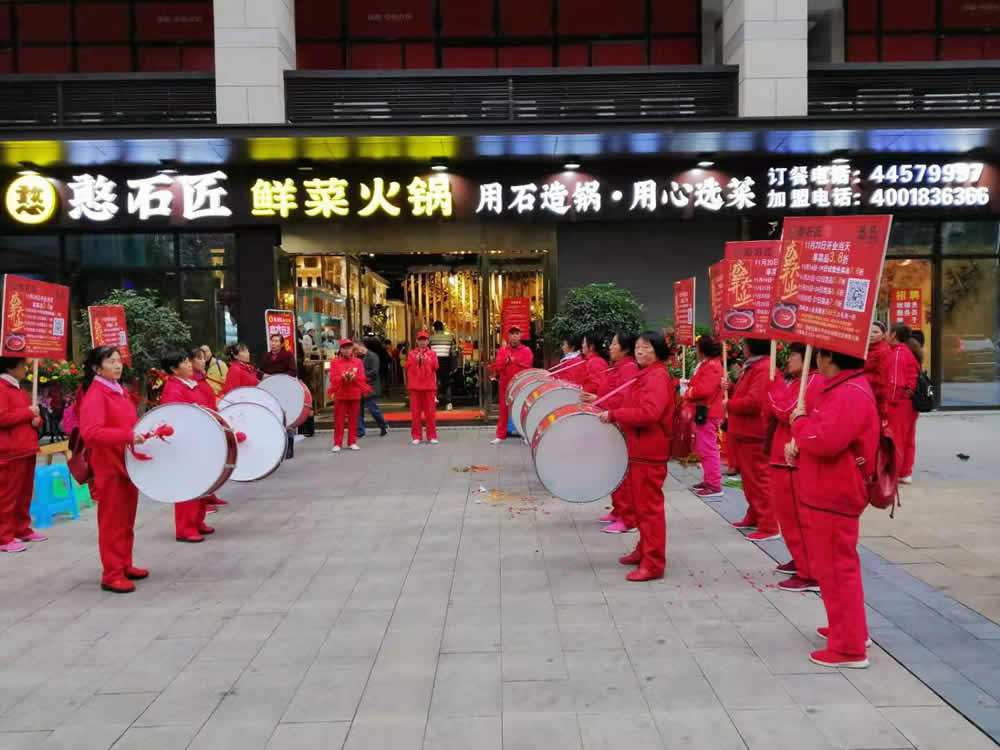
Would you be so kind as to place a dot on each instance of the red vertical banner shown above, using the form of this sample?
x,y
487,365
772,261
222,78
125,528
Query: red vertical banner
x,y
35,314
516,311
749,286
684,291
108,328
827,281
281,322
906,307
716,292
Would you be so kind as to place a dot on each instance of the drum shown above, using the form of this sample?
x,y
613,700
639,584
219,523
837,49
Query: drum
x,y
519,394
532,373
577,457
292,394
263,449
253,396
544,399
193,461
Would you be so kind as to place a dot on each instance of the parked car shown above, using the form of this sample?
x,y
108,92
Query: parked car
x,y
970,357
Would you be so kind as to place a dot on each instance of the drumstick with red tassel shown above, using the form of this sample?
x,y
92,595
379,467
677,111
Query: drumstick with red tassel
x,y
162,431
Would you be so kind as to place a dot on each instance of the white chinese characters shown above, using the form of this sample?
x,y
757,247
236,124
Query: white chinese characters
x,y
202,196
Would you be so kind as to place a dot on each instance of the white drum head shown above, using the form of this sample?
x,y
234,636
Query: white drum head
x,y
186,465
517,404
264,448
290,394
253,396
579,459
547,403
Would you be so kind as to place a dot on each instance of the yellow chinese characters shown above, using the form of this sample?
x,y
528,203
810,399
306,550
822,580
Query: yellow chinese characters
x,y
788,276
326,197
15,313
274,197
330,197
740,293
30,199
430,196
378,198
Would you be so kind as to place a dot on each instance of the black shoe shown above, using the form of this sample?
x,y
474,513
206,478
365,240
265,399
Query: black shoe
x,y
384,432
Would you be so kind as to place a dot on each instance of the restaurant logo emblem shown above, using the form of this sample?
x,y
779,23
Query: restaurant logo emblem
x,y
31,199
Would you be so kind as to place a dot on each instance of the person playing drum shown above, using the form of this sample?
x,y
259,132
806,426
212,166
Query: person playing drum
x,y
623,369
241,372
646,416
594,364
510,360
107,421
347,385
182,388
19,421
206,392
278,360
422,366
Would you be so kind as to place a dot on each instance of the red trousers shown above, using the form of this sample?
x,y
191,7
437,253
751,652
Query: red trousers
x,y
504,417
623,508
115,524
424,412
910,449
903,423
646,483
17,482
792,517
834,543
189,516
348,410
754,471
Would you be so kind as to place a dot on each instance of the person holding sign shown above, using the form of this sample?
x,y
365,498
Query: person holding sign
x,y
746,439
19,422
347,385
422,367
834,444
107,419
904,369
705,393
510,360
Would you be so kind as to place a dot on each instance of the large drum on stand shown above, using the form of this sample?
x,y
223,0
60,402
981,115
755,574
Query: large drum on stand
x,y
264,442
194,457
545,398
577,457
293,396
516,395
532,373
253,395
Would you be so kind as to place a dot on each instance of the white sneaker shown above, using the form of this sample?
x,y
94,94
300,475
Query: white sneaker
x,y
434,441
868,642
335,449
496,441
448,407
354,447
299,438
416,442
906,480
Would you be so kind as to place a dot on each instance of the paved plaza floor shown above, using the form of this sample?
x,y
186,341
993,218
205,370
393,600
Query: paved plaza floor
x,y
382,600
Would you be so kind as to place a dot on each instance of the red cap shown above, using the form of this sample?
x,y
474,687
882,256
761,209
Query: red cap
x,y
423,335
513,328
346,342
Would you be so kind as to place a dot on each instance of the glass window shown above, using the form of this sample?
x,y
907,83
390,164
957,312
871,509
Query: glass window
x,y
29,253
208,300
207,249
970,331
970,238
120,250
911,238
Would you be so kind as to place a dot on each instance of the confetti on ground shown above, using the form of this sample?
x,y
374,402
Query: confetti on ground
x,y
473,469
513,504
733,483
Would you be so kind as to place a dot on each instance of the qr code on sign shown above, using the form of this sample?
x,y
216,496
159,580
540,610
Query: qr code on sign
x,y
58,326
856,294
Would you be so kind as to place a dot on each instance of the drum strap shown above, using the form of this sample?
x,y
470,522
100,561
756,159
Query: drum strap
x,y
561,368
620,388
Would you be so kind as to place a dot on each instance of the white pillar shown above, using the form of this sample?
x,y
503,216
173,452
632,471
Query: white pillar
x,y
254,46
769,40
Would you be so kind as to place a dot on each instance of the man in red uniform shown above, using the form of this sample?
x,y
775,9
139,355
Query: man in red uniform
x,y
835,447
904,369
19,421
347,385
877,365
745,439
510,360
421,368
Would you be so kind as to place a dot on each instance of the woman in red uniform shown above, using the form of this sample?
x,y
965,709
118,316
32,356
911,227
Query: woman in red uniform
x,y
705,392
182,388
834,444
782,397
347,385
107,422
904,369
205,393
646,416
421,368
19,422
241,373
877,366
594,365
623,369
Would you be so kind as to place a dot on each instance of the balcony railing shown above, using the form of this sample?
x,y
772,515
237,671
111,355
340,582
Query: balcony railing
x,y
658,94
107,99
905,88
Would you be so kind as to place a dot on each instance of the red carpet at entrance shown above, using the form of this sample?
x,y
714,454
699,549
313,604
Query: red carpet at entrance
x,y
442,416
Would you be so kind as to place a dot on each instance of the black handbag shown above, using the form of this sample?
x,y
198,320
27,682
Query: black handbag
x,y
700,414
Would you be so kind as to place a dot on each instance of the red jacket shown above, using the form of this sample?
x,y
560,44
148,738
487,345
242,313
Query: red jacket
x,y
747,400
282,363
348,390
647,415
622,371
510,361
176,391
107,422
593,368
903,372
705,387
877,371
572,370
782,398
240,375
421,376
841,427
18,439
204,394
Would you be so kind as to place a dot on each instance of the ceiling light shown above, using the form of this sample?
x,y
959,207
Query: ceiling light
x,y
706,164
169,167
841,160
439,165
572,165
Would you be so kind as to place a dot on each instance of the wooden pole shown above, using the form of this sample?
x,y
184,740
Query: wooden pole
x,y
774,358
804,380
34,382
684,362
725,370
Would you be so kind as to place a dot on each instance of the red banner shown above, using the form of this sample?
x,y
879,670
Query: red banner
x,y
35,314
748,288
108,328
906,307
281,322
516,311
827,281
716,292
684,312
468,349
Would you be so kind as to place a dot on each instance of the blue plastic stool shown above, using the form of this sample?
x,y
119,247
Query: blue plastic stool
x,y
82,493
46,503
511,430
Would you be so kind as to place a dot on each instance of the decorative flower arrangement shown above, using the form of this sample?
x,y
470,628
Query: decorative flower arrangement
x,y
154,382
60,375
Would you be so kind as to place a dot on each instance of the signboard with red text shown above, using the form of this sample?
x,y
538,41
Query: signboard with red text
x,y
108,328
684,291
35,314
906,307
749,284
282,322
516,311
716,292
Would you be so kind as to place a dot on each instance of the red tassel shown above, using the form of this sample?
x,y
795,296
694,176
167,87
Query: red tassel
x,y
241,437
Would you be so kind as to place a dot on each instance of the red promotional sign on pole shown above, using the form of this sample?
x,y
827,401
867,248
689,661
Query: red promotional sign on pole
x,y
906,307
34,319
108,328
716,292
827,281
684,312
281,322
749,286
516,311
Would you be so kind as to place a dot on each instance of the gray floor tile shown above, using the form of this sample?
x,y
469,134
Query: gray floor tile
x,y
936,727
313,736
614,731
768,729
463,733
697,729
540,731
467,685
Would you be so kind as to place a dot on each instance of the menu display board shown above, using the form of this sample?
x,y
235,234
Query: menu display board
x,y
684,291
281,322
34,318
108,328
749,285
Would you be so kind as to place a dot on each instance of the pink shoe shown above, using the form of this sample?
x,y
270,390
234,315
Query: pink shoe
x,y
34,536
13,546
763,536
616,528
610,518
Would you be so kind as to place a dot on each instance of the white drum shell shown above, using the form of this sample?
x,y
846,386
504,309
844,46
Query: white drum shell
x,y
580,459
547,403
517,404
263,450
254,395
291,394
